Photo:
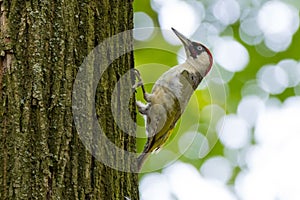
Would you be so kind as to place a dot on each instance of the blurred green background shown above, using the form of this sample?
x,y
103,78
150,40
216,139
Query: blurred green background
x,y
239,136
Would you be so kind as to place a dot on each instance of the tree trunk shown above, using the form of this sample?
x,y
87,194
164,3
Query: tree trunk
x,y
42,45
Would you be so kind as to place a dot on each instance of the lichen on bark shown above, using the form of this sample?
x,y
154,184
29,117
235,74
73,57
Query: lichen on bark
x,y
42,44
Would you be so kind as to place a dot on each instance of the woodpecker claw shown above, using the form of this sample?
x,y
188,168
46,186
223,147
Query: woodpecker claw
x,y
138,76
142,108
141,84
137,84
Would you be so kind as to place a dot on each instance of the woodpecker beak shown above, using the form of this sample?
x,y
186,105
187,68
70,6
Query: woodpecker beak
x,y
186,42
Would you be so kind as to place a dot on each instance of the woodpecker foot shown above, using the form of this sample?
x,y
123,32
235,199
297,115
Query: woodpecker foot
x,y
140,83
142,108
138,76
137,84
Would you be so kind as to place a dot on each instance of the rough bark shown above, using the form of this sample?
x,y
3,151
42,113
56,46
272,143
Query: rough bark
x,y
42,44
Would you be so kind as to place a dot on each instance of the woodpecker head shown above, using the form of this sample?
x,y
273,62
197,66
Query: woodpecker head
x,y
197,54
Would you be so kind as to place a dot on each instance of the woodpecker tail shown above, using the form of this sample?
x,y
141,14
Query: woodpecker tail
x,y
144,155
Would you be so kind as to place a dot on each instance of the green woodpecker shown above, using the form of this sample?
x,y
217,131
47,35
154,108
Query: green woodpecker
x,y
171,93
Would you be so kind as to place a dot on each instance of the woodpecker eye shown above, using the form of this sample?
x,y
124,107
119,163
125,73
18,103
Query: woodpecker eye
x,y
199,48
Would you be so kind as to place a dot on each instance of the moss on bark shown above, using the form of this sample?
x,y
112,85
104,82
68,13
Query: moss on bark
x,y
42,44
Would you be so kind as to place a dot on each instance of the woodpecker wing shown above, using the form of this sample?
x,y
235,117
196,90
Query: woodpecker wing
x,y
160,119
167,106
161,123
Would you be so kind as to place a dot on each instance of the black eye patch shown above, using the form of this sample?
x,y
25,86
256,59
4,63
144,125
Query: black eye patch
x,y
196,49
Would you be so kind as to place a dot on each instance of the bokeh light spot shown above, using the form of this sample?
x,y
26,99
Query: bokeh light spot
x,y
272,79
249,109
273,163
193,145
250,32
275,17
182,16
233,131
292,69
142,20
231,55
155,186
250,27
279,122
217,168
278,21
226,11
187,184
251,88
212,113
